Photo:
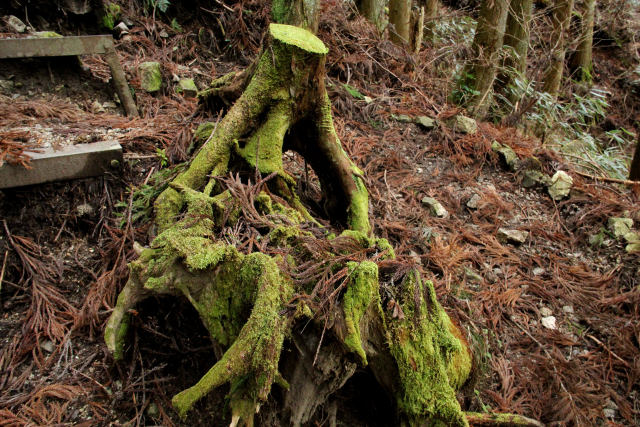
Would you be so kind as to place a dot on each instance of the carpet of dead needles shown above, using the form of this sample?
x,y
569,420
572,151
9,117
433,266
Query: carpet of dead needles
x,y
61,268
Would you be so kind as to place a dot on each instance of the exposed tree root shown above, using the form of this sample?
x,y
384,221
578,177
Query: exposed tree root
x,y
250,303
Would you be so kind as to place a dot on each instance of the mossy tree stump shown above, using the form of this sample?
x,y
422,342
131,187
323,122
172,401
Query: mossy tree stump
x,y
367,311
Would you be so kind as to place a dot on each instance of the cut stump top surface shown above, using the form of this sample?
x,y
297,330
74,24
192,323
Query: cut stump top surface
x,y
298,37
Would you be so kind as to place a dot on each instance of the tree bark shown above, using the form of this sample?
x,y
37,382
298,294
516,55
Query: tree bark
x,y
487,43
430,15
373,10
516,43
400,21
582,61
634,168
561,20
301,13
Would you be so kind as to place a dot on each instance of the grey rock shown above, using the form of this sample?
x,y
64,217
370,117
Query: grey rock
x,y
473,201
507,154
464,124
402,118
620,226
531,178
538,271
121,29
85,209
435,206
549,322
567,309
152,410
187,87
561,184
150,76
15,24
426,122
47,346
513,236
545,312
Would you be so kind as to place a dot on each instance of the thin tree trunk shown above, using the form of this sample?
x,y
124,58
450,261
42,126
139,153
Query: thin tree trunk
x,y
561,20
583,59
400,21
430,14
301,13
417,27
373,10
486,47
634,169
516,42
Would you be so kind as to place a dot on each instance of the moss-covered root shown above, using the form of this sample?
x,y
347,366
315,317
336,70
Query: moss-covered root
x,y
116,329
361,295
432,358
499,420
251,363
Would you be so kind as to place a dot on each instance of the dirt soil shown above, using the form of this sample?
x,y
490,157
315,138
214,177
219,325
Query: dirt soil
x,y
64,246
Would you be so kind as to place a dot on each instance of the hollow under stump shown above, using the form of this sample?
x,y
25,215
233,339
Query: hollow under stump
x,y
338,299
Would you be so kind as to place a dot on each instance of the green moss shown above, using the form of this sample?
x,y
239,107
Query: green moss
x,y
296,36
203,132
384,246
431,360
361,294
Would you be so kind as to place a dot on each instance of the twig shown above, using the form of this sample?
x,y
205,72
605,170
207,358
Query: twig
x,y
607,179
624,362
4,264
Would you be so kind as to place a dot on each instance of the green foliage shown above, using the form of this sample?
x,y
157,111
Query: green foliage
x,y
111,15
162,156
143,198
570,124
464,90
161,5
353,91
176,25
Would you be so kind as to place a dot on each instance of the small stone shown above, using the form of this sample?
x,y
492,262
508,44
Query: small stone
x,y
403,118
121,29
187,87
620,226
567,309
609,413
368,99
150,76
632,247
513,236
561,184
436,207
464,124
549,322
545,312
163,34
473,201
632,237
533,177
85,209
96,107
110,105
175,78
507,154
538,271
611,405
471,275
426,122
15,24
47,346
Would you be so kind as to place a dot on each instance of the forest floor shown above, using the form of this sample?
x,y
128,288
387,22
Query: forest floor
x,y
64,246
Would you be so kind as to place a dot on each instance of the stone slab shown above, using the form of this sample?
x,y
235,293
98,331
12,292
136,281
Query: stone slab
x,y
70,162
55,46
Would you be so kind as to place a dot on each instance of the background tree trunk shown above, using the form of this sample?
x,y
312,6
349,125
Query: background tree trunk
x,y
561,20
516,42
301,13
582,61
373,10
430,15
400,21
634,168
486,48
